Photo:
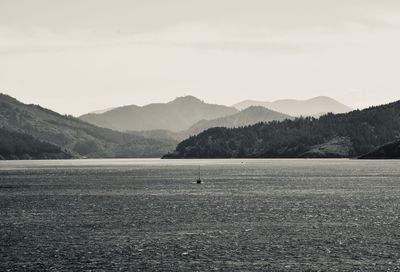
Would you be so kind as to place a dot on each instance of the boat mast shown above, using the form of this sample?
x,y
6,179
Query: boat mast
x,y
199,173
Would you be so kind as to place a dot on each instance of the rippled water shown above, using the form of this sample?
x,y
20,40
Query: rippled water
x,y
248,215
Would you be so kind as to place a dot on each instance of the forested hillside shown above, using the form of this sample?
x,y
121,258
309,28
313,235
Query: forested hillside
x,y
248,116
75,136
15,145
387,151
352,134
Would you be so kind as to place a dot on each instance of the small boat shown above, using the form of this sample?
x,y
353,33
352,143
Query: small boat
x,y
199,181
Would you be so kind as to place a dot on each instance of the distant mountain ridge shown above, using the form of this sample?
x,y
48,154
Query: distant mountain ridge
x,y
176,115
249,116
71,135
312,107
30,131
332,135
246,117
188,115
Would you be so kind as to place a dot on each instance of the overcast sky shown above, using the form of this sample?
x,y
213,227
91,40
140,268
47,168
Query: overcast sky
x,y
75,56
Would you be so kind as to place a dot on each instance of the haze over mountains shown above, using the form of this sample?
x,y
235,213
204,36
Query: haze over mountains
x,y
310,107
176,115
30,131
249,116
188,115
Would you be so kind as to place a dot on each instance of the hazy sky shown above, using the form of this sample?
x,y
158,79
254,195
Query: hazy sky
x,y
74,56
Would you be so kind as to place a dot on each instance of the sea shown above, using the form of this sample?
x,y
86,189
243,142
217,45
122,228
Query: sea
x,y
247,215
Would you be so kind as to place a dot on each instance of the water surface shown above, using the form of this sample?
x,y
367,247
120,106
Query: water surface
x,y
248,215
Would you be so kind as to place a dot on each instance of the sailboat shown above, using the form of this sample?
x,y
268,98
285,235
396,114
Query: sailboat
x,y
199,181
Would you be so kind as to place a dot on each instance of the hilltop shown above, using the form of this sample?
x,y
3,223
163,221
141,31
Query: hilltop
x,y
311,107
176,115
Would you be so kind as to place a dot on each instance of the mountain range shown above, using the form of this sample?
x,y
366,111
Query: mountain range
x,y
312,107
43,130
187,115
332,135
66,136
249,116
211,131
177,115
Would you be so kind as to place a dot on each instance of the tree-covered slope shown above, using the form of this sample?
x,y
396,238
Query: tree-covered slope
x,y
387,151
362,132
248,116
15,146
74,135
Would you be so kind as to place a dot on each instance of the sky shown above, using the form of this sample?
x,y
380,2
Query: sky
x,y
76,56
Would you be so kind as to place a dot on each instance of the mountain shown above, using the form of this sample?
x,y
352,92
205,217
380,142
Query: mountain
x,y
248,116
245,117
311,107
176,115
72,135
387,151
332,135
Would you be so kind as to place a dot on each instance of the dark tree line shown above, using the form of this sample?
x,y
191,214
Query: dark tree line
x,y
367,130
15,145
